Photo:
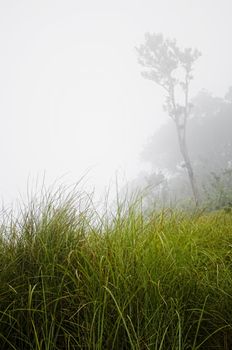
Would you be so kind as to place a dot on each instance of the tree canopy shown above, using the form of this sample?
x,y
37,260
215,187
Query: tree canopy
x,y
208,135
171,68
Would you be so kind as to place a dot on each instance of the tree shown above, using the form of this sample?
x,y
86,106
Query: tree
x,y
171,68
210,151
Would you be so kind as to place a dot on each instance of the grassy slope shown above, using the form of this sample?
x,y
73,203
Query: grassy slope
x,y
160,282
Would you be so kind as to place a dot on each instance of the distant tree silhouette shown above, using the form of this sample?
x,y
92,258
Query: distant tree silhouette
x,y
171,68
211,150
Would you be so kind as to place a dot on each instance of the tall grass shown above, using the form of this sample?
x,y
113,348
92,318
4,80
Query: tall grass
x,y
71,279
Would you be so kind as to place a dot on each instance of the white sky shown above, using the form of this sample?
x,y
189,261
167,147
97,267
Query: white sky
x,y
71,95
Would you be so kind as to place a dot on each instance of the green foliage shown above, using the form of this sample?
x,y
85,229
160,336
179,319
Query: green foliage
x,y
218,190
209,143
71,279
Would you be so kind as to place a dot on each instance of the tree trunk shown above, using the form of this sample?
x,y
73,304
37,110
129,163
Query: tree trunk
x,y
181,131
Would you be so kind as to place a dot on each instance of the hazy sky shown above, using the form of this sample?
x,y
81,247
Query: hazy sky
x,y
71,95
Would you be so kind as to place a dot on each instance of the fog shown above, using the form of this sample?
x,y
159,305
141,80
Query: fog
x,y
73,102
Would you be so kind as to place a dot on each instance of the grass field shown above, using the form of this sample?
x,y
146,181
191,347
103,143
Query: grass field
x,y
71,279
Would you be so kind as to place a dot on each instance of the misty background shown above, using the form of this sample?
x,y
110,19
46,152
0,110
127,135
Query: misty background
x,y
72,99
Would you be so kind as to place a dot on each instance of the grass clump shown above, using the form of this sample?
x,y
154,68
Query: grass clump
x,y
71,279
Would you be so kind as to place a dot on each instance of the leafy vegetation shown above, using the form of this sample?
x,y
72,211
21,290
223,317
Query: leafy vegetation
x,y
209,142
171,68
73,279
